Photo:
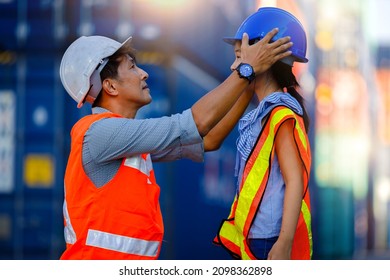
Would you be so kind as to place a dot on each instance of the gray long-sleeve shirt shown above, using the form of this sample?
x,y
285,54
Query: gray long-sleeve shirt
x,y
110,140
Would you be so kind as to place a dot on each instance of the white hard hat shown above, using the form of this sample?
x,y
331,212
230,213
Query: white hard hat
x,y
82,63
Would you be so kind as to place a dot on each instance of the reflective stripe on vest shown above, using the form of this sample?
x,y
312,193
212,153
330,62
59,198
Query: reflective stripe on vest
x,y
305,210
69,233
234,231
122,244
140,163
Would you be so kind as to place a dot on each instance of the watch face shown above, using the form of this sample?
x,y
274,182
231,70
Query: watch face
x,y
246,70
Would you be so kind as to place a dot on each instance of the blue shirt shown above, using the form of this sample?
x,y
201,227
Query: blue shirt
x,y
268,219
109,140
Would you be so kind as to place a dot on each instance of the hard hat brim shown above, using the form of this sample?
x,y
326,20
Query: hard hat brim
x,y
230,40
127,41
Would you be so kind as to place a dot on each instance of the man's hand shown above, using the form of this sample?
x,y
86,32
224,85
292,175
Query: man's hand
x,y
263,54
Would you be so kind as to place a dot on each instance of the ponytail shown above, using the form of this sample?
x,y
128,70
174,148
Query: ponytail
x,y
285,78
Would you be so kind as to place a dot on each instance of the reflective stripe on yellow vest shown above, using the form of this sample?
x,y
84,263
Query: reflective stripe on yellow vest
x,y
234,231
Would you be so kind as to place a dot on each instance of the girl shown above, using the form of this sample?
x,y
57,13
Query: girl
x,y
270,215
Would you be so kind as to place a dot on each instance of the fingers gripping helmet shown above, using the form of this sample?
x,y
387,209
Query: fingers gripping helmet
x,y
82,63
264,20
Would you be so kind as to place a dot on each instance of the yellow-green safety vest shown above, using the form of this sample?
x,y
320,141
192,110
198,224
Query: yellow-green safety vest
x,y
233,233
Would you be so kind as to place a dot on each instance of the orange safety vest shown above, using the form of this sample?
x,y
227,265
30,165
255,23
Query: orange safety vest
x,y
120,220
233,234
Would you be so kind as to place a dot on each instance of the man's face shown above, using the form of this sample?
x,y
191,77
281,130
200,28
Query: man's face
x,y
131,83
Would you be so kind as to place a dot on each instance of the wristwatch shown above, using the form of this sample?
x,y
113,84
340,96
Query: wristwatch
x,y
246,71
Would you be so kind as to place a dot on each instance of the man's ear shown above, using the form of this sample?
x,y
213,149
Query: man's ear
x,y
109,87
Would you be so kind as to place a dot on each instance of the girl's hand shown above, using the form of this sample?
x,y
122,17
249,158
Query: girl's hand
x,y
280,251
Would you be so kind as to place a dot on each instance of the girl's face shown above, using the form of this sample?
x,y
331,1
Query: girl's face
x,y
237,53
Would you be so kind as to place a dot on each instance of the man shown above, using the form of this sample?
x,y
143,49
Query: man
x,y
111,207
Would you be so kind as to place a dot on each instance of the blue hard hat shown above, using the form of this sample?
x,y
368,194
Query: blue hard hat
x,y
264,20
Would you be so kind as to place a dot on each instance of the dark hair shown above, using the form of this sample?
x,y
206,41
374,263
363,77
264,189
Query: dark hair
x,y
285,78
110,70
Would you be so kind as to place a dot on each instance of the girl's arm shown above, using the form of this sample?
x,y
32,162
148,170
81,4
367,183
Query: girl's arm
x,y
291,167
214,139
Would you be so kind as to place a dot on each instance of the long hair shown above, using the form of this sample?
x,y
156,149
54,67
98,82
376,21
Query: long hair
x,y
285,78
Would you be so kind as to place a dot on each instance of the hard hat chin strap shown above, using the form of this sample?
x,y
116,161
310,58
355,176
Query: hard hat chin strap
x,y
96,82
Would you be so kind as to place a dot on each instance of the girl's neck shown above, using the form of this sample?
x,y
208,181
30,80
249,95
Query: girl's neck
x,y
266,85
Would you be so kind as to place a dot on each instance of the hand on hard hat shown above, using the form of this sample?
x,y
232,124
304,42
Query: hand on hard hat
x,y
263,54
